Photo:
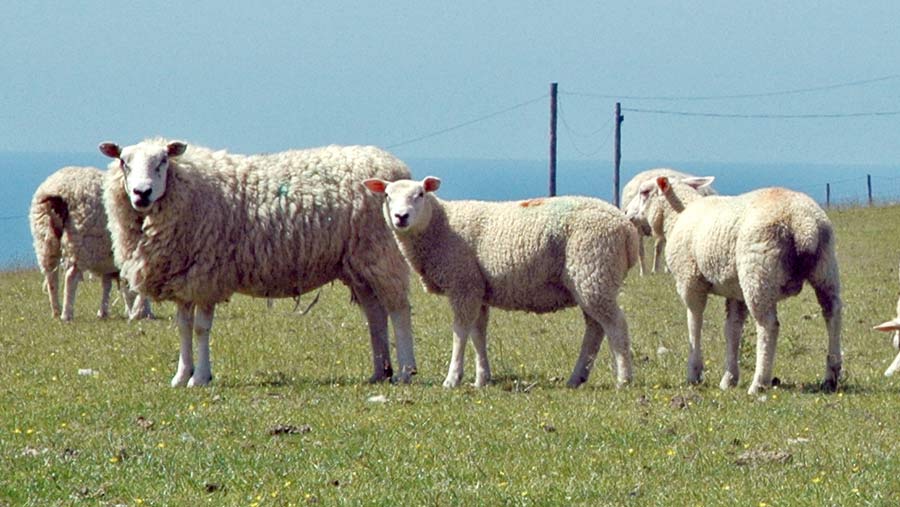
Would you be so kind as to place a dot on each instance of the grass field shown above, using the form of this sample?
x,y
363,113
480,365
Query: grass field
x,y
290,419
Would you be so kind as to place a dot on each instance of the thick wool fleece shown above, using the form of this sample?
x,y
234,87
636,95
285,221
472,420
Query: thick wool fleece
x,y
67,219
265,225
754,249
531,255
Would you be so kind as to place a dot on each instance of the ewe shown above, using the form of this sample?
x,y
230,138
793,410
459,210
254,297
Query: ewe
x,y
194,226
630,192
68,224
754,249
539,255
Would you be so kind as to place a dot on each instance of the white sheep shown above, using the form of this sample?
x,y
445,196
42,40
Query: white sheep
x,y
893,326
630,192
538,255
68,227
754,249
194,226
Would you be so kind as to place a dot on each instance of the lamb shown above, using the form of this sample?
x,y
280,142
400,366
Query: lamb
x,y
195,226
630,192
892,326
68,224
754,249
538,255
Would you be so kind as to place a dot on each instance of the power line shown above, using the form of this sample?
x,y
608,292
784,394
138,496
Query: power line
x,y
795,91
767,116
467,123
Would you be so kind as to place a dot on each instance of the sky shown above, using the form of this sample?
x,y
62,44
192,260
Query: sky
x,y
460,79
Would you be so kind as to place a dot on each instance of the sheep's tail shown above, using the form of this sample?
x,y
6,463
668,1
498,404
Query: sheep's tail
x,y
48,217
813,237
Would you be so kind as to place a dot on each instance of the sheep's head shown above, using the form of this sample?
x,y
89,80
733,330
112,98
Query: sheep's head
x,y
405,203
653,196
892,326
145,167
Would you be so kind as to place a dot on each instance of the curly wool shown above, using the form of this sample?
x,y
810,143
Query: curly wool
x,y
654,228
68,221
522,255
265,225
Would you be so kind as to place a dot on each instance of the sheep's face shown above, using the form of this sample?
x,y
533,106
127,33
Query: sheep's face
x,y
145,167
643,207
405,203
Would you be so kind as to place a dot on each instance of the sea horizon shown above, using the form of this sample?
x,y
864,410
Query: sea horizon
x,y
490,179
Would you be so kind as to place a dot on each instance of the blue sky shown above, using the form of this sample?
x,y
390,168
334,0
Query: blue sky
x,y
266,76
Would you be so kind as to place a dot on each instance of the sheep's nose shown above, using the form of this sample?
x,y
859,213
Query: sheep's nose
x,y
142,195
401,219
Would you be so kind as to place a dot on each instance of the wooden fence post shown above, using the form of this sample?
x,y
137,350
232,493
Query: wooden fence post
x,y
553,88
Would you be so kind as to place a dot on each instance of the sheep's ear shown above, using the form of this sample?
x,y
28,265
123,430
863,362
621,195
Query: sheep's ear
x,y
111,150
698,181
891,325
431,183
176,148
663,183
375,185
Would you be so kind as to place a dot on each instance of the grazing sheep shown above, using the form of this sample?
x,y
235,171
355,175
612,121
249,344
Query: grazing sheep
x,y
194,226
630,192
68,224
539,255
754,249
893,326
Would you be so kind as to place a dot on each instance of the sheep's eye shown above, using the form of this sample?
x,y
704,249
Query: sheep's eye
x,y
160,166
420,194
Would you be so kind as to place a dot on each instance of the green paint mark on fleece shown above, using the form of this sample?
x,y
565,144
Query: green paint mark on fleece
x,y
282,190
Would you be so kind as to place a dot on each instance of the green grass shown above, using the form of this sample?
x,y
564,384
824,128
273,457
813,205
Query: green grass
x,y
123,437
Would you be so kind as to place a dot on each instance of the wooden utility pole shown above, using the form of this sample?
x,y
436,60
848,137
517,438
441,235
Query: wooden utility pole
x,y
617,153
553,87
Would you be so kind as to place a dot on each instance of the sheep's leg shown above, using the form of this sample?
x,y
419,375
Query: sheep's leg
x,y
735,316
658,254
406,358
767,327
895,365
479,340
377,318
203,318
106,287
616,328
641,255
830,302
73,276
457,359
696,304
185,319
52,279
140,308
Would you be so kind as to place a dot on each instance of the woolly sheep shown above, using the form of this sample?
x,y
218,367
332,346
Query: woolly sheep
x,y
194,226
630,192
68,225
893,326
539,255
754,249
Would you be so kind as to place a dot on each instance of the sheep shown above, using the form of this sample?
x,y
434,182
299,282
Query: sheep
x,y
68,224
892,326
754,249
630,192
194,226
537,255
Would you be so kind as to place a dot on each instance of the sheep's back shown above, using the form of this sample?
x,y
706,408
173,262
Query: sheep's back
x,y
529,251
85,239
266,225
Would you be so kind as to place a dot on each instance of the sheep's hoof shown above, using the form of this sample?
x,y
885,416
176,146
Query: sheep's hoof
x,y
196,381
481,382
451,383
829,385
756,388
182,378
622,383
729,380
575,381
